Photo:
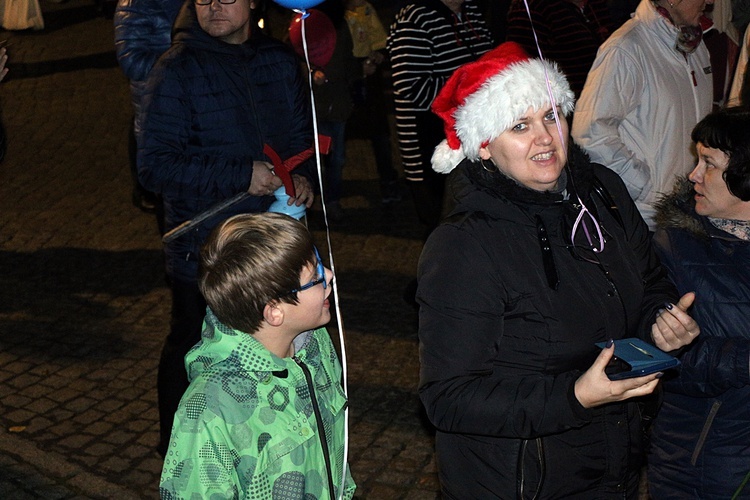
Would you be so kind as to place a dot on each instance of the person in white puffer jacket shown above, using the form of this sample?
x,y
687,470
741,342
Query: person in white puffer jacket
x,y
649,85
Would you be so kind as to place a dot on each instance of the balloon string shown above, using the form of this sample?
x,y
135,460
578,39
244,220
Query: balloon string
x,y
552,100
339,319
584,209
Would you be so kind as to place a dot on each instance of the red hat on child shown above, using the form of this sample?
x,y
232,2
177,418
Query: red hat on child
x,y
484,98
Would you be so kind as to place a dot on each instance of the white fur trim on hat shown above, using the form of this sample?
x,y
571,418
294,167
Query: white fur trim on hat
x,y
499,103
445,159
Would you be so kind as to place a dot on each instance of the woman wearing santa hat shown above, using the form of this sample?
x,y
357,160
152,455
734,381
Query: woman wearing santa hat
x,y
542,255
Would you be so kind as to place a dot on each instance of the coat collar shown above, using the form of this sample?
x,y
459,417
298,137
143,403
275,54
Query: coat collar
x,y
494,185
676,210
221,344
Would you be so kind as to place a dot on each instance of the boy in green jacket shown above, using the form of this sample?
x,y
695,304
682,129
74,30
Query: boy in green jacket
x,y
263,417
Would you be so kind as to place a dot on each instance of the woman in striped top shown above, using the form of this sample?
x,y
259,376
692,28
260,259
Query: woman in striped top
x,y
428,41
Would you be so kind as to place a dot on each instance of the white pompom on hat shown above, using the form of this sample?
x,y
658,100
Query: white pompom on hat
x,y
484,98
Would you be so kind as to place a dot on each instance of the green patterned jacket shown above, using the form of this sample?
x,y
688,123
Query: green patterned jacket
x,y
250,424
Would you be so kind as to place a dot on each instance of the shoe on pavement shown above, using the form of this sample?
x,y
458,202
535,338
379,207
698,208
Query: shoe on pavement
x,y
391,193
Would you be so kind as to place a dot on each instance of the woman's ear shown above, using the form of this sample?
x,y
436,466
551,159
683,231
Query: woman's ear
x,y
273,314
484,153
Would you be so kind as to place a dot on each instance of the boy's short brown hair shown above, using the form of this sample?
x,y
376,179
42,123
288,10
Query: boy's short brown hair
x,y
251,260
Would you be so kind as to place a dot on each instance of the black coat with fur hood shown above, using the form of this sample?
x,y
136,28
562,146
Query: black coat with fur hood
x,y
701,437
508,320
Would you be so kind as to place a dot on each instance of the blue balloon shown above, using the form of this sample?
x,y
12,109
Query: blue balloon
x,y
298,4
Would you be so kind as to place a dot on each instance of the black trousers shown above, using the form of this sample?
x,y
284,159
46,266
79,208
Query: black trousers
x,y
429,192
188,311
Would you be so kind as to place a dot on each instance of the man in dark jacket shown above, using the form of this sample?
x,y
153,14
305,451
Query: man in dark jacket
x,y
213,100
143,32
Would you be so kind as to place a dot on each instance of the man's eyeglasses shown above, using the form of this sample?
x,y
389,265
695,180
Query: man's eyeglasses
x,y
209,2
319,278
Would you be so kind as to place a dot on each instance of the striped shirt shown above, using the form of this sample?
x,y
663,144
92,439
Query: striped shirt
x,y
427,42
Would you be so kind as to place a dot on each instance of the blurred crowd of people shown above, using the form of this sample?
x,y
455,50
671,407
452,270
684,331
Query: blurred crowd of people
x,y
570,157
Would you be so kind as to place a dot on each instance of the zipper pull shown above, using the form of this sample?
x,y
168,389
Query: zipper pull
x,y
695,82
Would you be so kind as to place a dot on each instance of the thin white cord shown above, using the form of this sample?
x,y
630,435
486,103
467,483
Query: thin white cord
x,y
339,319
584,209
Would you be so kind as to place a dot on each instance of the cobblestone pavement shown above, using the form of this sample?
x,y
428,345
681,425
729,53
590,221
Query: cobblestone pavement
x,y
84,308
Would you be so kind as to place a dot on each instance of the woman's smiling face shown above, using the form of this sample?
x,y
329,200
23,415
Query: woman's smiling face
x,y
530,151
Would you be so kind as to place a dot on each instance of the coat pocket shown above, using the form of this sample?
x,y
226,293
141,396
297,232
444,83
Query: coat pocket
x,y
295,430
704,432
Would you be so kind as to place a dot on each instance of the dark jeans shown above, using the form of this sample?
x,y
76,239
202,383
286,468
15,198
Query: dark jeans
x,y
428,193
428,199
140,193
334,161
188,311
369,121
381,146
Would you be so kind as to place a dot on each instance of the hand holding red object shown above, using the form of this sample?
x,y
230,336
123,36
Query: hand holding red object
x,y
283,168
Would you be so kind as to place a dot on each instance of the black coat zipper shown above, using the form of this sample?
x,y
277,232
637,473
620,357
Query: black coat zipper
x,y
319,423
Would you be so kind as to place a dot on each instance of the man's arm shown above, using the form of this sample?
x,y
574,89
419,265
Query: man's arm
x,y
165,165
410,50
141,36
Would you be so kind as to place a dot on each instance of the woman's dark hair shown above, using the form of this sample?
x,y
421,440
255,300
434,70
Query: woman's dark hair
x,y
729,131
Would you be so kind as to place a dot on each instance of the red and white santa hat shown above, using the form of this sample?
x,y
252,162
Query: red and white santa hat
x,y
484,98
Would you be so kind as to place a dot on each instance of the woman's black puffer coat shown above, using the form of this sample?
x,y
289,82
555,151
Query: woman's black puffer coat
x,y
509,315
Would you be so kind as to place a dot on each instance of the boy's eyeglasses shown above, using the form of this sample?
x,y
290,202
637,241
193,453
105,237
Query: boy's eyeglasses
x,y
209,2
320,277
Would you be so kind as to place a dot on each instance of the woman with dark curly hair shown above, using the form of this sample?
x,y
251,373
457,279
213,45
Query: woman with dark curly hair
x,y
701,437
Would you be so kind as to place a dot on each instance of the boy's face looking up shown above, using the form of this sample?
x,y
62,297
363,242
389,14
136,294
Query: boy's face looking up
x,y
313,307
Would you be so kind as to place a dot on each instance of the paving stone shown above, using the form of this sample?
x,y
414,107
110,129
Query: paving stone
x,y
380,491
138,478
76,441
150,438
100,450
23,380
138,426
91,415
16,400
421,495
116,464
63,395
18,417
5,375
118,437
62,418
109,405
80,404
98,429
41,405
136,451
